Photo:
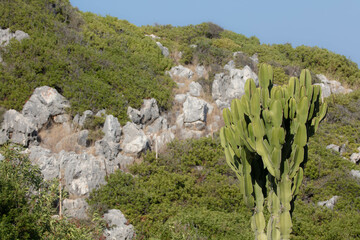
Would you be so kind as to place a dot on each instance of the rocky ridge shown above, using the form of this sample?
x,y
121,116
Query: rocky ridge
x,y
84,167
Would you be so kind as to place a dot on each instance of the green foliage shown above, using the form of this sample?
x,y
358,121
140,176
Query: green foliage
x,y
96,62
27,203
171,197
265,142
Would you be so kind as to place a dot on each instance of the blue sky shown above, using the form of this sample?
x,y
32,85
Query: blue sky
x,y
331,24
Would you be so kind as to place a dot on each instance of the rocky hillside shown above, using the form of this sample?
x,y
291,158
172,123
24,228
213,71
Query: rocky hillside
x,y
127,118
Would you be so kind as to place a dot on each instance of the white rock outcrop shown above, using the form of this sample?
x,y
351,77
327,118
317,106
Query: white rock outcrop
x,y
229,86
164,50
118,229
195,89
180,71
329,87
329,203
135,141
44,103
6,35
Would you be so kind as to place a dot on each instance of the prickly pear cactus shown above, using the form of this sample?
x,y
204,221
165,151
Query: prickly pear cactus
x,y
265,142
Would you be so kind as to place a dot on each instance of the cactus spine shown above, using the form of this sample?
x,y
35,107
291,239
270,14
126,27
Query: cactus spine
x,y
265,142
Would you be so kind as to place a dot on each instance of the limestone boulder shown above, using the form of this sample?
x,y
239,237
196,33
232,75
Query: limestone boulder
x,y
6,35
43,103
160,124
355,158
329,203
134,115
355,173
229,86
108,149
82,172
164,50
329,87
181,71
195,89
47,161
118,229
195,109
76,208
149,111
18,129
135,141
112,129
200,71
180,98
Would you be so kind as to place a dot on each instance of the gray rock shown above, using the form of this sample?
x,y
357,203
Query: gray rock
x,y
119,228
86,115
46,160
227,87
17,128
193,46
331,87
43,103
195,89
342,149
181,71
62,118
195,109
82,172
149,111
135,141
76,208
329,203
152,36
134,115
164,50
1,157
200,71
355,173
83,138
198,125
160,124
255,58
180,121
112,129
120,162
190,134
325,89
230,65
355,158
180,98
101,113
222,104
163,139
107,149
6,36
76,119
333,147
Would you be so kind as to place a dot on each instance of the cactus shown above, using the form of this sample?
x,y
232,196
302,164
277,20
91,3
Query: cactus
x,y
265,142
